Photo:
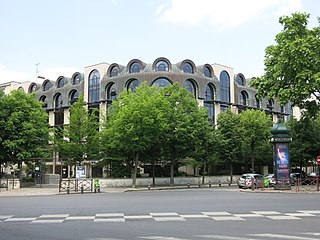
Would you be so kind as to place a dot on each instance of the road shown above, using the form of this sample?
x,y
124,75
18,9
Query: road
x,y
189,214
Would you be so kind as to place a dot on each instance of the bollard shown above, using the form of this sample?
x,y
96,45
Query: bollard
x,y
199,183
149,186
219,183
188,185
81,189
209,183
68,190
99,188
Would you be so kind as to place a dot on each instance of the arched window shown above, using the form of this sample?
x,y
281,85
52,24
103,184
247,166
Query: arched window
x,y
258,102
133,84
94,86
187,68
162,66
58,101
161,82
208,102
60,82
76,79
207,71
240,80
189,85
224,90
111,92
46,86
244,98
73,96
270,105
44,100
114,71
135,67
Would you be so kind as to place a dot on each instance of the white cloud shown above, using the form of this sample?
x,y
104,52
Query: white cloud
x,y
224,14
8,75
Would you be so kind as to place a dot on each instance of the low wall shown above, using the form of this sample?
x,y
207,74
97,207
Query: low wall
x,y
9,184
178,181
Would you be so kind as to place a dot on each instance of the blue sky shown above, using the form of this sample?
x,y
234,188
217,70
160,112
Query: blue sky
x,y
61,37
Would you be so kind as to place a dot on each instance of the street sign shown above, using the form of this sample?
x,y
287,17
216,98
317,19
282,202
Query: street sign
x,y
318,160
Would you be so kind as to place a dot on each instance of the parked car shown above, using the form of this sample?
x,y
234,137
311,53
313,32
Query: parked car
x,y
300,178
245,181
313,177
271,179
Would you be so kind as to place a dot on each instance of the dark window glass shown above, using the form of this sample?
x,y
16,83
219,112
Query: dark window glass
x,y
74,95
44,100
33,88
162,66
187,68
94,87
114,72
208,102
240,80
243,98
133,85
190,87
76,79
161,82
58,101
258,103
61,83
58,118
46,86
207,71
135,67
270,105
225,87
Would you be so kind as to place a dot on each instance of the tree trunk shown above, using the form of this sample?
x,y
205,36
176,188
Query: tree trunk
x,y
204,171
153,173
231,173
134,177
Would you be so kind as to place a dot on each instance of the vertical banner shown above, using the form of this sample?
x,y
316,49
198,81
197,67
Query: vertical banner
x,y
80,171
282,161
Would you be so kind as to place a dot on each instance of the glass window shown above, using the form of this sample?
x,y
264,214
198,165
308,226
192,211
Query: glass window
x,y
114,72
94,86
133,85
243,98
135,67
46,86
74,95
188,84
162,66
44,100
207,71
187,68
161,82
208,102
240,80
224,90
270,105
258,102
76,79
61,83
58,101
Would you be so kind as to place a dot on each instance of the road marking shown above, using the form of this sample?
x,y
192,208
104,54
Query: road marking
x,y
6,216
48,221
216,213
163,238
283,217
248,215
138,217
269,235
104,220
195,216
310,211
80,218
19,219
228,218
110,215
300,214
54,216
164,214
266,212
167,219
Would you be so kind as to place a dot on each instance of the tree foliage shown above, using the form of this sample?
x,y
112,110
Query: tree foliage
x,y
292,65
79,140
256,133
24,128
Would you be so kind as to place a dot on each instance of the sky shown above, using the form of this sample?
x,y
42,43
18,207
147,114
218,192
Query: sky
x,y
58,38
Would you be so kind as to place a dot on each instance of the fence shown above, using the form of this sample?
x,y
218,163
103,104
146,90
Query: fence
x,y
9,183
77,185
306,185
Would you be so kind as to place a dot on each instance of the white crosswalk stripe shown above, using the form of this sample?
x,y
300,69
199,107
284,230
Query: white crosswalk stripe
x,y
280,236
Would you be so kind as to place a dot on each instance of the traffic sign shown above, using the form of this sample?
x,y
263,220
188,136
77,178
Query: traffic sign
x,y
318,160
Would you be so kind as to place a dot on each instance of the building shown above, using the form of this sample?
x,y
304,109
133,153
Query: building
x,y
215,86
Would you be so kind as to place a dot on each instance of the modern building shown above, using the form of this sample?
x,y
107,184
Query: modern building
x,y
215,86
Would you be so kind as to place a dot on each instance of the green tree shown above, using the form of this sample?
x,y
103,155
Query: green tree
x,y
256,132
186,125
228,139
304,147
79,140
134,123
24,128
292,65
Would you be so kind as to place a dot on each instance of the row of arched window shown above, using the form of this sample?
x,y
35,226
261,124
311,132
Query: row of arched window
x,y
58,99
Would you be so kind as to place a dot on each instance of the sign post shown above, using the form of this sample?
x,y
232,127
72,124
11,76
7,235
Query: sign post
x,y
318,178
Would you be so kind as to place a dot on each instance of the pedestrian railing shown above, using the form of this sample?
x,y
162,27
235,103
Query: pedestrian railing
x,y
9,183
77,185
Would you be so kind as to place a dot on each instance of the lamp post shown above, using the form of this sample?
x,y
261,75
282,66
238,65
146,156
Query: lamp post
x,y
282,167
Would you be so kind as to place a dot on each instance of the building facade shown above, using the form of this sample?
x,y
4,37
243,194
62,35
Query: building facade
x,y
215,86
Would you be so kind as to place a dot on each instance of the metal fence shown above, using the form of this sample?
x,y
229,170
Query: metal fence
x,y
9,183
77,185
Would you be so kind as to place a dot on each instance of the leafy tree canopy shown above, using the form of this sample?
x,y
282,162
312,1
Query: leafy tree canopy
x,y
292,65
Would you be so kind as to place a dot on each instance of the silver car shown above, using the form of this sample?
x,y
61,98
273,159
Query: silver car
x,y
246,180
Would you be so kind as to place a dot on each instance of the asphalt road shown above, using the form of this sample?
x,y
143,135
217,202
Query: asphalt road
x,y
168,214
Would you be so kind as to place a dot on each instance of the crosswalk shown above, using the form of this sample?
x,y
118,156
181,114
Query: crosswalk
x,y
260,236
161,217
